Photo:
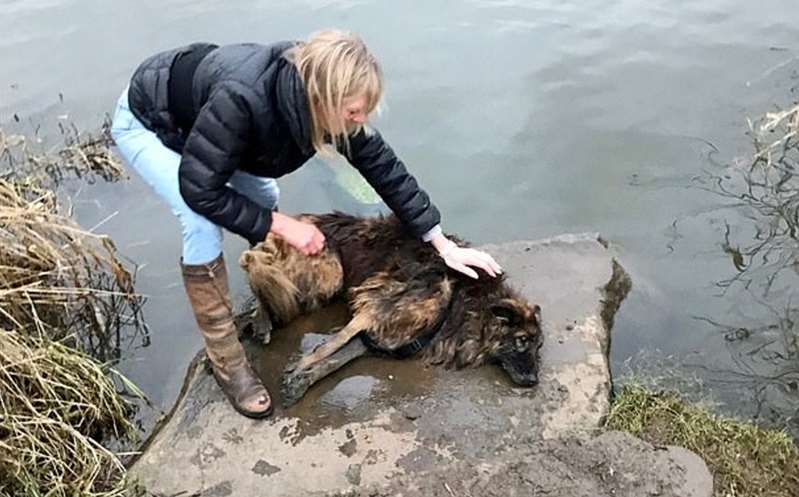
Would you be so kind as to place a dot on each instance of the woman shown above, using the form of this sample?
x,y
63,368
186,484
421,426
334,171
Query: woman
x,y
210,128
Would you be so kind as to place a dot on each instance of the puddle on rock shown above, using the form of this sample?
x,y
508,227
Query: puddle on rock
x,y
351,394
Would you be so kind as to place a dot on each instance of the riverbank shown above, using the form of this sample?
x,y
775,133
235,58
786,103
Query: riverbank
x,y
744,459
66,298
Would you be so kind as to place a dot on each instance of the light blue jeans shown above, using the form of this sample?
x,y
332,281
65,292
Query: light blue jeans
x,y
158,166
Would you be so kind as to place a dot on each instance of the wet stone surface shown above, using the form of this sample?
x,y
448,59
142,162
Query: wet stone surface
x,y
379,422
613,464
263,468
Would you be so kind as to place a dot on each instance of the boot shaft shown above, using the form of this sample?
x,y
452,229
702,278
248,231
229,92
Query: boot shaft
x,y
208,291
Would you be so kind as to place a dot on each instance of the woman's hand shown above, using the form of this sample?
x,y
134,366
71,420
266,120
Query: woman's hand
x,y
461,258
303,236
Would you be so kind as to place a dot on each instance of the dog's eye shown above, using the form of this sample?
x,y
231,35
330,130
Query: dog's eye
x,y
521,343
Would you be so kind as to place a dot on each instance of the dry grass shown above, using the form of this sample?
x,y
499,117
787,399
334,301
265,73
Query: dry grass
x,y
77,155
782,124
55,404
57,279
65,299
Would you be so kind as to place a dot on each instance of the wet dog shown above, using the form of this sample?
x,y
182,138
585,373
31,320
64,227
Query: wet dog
x,y
403,300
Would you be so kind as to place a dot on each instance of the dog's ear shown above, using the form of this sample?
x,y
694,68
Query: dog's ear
x,y
536,311
505,310
246,259
253,258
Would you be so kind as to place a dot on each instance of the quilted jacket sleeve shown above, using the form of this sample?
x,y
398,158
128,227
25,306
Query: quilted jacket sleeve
x,y
212,154
381,168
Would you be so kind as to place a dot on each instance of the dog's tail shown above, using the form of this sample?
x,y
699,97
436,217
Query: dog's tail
x,y
271,285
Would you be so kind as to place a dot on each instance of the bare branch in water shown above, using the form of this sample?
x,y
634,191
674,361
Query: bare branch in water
x,y
765,191
77,156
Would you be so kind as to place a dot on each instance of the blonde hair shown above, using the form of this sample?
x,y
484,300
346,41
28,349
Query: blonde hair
x,y
335,65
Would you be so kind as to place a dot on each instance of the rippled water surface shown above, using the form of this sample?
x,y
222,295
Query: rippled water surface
x,y
523,119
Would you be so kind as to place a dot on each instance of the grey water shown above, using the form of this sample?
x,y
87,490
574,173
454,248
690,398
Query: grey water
x,y
522,119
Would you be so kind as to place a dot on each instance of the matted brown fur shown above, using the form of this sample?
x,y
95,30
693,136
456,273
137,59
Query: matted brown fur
x,y
402,290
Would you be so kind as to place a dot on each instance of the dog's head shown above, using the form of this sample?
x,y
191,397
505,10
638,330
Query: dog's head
x,y
513,328
490,323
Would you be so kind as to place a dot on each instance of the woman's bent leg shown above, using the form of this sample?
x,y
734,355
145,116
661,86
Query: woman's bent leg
x,y
202,265
262,191
266,193
158,166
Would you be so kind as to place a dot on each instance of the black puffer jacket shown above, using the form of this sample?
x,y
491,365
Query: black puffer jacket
x,y
251,113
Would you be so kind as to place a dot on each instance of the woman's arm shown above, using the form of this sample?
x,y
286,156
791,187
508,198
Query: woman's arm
x,y
305,237
212,154
380,167
376,162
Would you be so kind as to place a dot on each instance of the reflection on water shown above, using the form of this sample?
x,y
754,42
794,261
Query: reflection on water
x,y
522,119
763,247
351,392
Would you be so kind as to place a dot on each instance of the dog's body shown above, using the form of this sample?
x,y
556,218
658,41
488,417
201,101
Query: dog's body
x,y
403,299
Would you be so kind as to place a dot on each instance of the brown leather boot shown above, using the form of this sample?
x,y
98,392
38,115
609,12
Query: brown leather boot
x,y
207,288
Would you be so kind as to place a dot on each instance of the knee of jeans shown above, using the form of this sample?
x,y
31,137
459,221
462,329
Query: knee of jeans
x,y
122,122
116,133
202,239
124,119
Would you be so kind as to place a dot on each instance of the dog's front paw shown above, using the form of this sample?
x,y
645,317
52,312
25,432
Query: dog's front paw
x,y
254,322
293,386
262,327
290,367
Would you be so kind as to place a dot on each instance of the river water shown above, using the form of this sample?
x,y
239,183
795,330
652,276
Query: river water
x,y
523,120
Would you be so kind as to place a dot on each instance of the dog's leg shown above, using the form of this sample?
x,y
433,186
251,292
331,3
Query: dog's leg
x,y
262,325
295,383
356,325
255,320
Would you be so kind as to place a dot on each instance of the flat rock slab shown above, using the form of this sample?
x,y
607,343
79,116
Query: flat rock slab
x,y
380,421
614,464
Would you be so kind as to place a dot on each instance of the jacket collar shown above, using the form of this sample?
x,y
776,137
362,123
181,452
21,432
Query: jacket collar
x,y
292,102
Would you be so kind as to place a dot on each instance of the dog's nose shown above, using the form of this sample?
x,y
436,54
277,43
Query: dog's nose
x,y
532,378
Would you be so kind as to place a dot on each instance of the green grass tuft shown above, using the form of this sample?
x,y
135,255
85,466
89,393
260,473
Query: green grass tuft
x,y
746,461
